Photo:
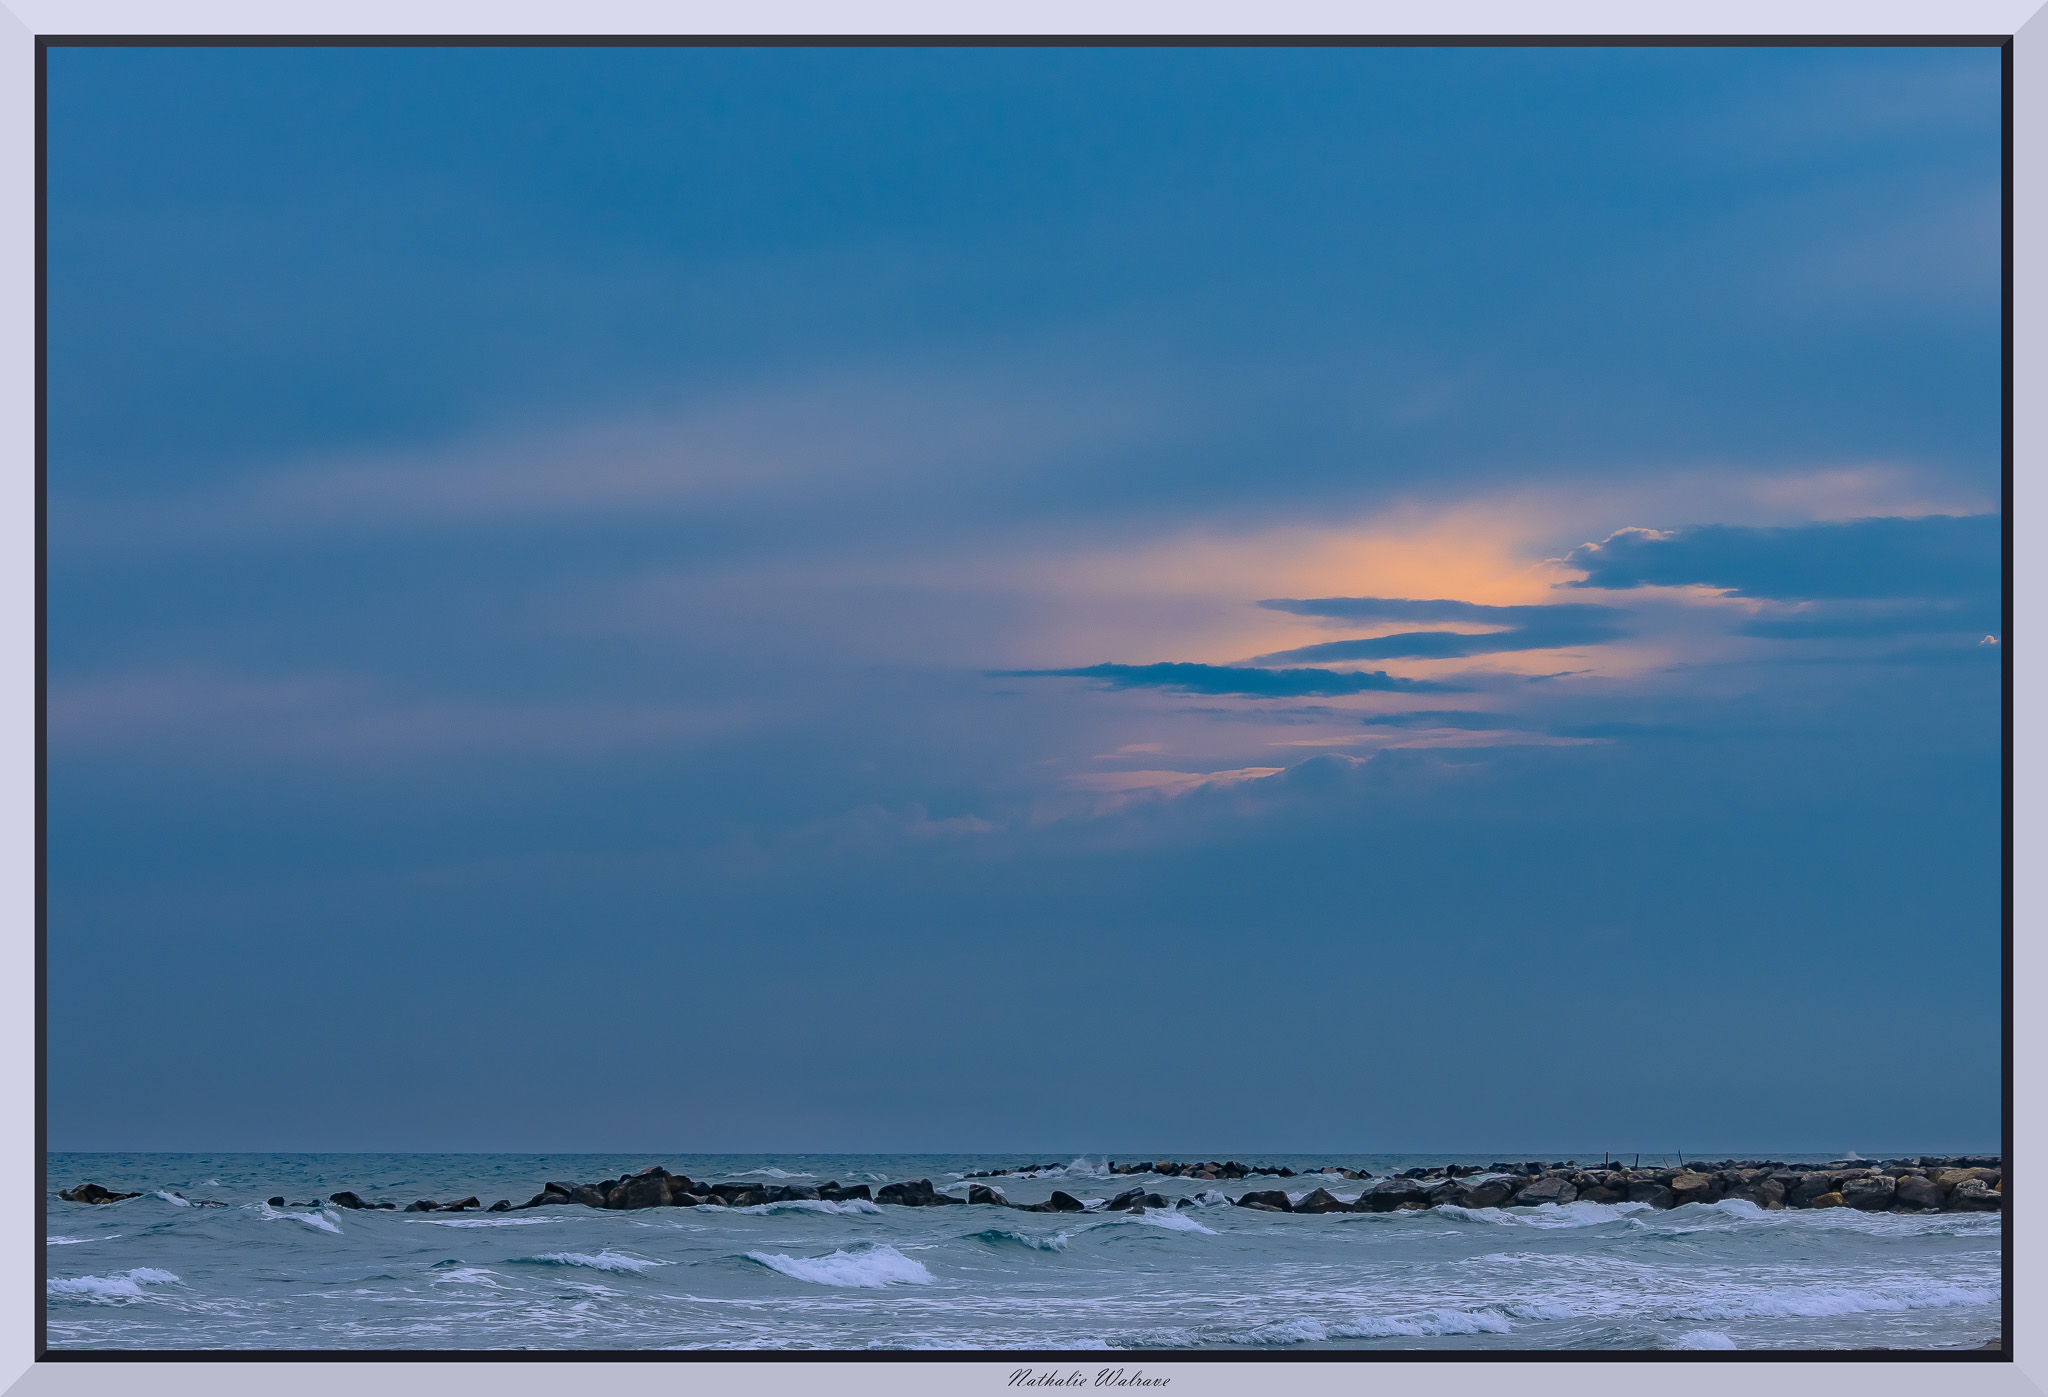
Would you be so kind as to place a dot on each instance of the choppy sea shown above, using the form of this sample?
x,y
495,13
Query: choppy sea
x,y
160,1271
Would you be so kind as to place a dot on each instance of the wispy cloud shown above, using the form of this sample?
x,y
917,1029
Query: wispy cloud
x,y
1243,681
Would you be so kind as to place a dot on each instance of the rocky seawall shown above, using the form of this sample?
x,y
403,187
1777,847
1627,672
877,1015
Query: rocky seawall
x,y
1974,1183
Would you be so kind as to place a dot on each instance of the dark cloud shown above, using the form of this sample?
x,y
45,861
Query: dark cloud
x,y
1234,679
1938,556
1441,609
1528,628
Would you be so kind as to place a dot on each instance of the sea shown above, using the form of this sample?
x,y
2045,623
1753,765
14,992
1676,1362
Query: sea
x,y
165,1271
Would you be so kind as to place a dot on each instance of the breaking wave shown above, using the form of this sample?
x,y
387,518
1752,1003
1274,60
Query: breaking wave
x,y
1009,1237
125,1285
320,1220
603,1261
872,1267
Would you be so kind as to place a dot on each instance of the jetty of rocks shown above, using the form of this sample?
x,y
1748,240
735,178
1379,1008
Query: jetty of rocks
x,y
1955,1183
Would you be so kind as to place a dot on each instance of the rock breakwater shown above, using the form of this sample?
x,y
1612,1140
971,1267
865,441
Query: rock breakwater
x,y
1973,1183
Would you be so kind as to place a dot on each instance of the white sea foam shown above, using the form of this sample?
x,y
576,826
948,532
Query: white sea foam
x,y
326,1222
872,1267
484,1222
175,1199
807,1205
1209,1198
1820,1300
1546,1215
1703,1339
1426,1323
1081,1168
1299,1330
603,1261
77,1241
1172,1222
467,1275
774,1174
125,1285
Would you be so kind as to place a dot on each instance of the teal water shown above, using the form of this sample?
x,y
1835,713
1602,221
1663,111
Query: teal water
x,y
154,1272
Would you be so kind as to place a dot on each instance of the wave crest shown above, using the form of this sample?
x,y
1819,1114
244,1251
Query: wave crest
x,y
870,1267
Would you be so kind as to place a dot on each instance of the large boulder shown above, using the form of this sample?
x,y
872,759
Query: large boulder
x,y
461,1205
742,1195
1827,1200
1689,1187
836,1193
1810,1186
589,1195
1129,1198
93,1193
918,1193
423,1205
1975,1196
982,1193
1390,1195
1651,1192
1548,1189
1871,1193
640,1191
1322,1201
1058,1203
1485,1193
1267,1198
793,1193
503,1205
1918,1192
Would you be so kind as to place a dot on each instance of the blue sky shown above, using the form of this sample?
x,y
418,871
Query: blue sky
x,y
1024,599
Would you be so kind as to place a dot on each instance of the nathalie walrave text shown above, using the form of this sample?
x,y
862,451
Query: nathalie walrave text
x,y
1104,1377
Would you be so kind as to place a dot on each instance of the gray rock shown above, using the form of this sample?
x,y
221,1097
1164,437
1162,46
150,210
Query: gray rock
x,y
641,1191
1689,1187
423,1205
1388,1195
1273,1199
1321,1201
1918,1192
1870,1193
982,1193
461,1205
1551,1188
1129,1198
93,1193
1651,1192
503,1205
1809,1187
1487,1193
1975,1196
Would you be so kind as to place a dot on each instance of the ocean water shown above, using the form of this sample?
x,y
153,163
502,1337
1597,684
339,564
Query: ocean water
x,y
159,1272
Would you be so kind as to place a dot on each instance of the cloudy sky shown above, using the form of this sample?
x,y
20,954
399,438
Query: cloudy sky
x,y
1113,600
